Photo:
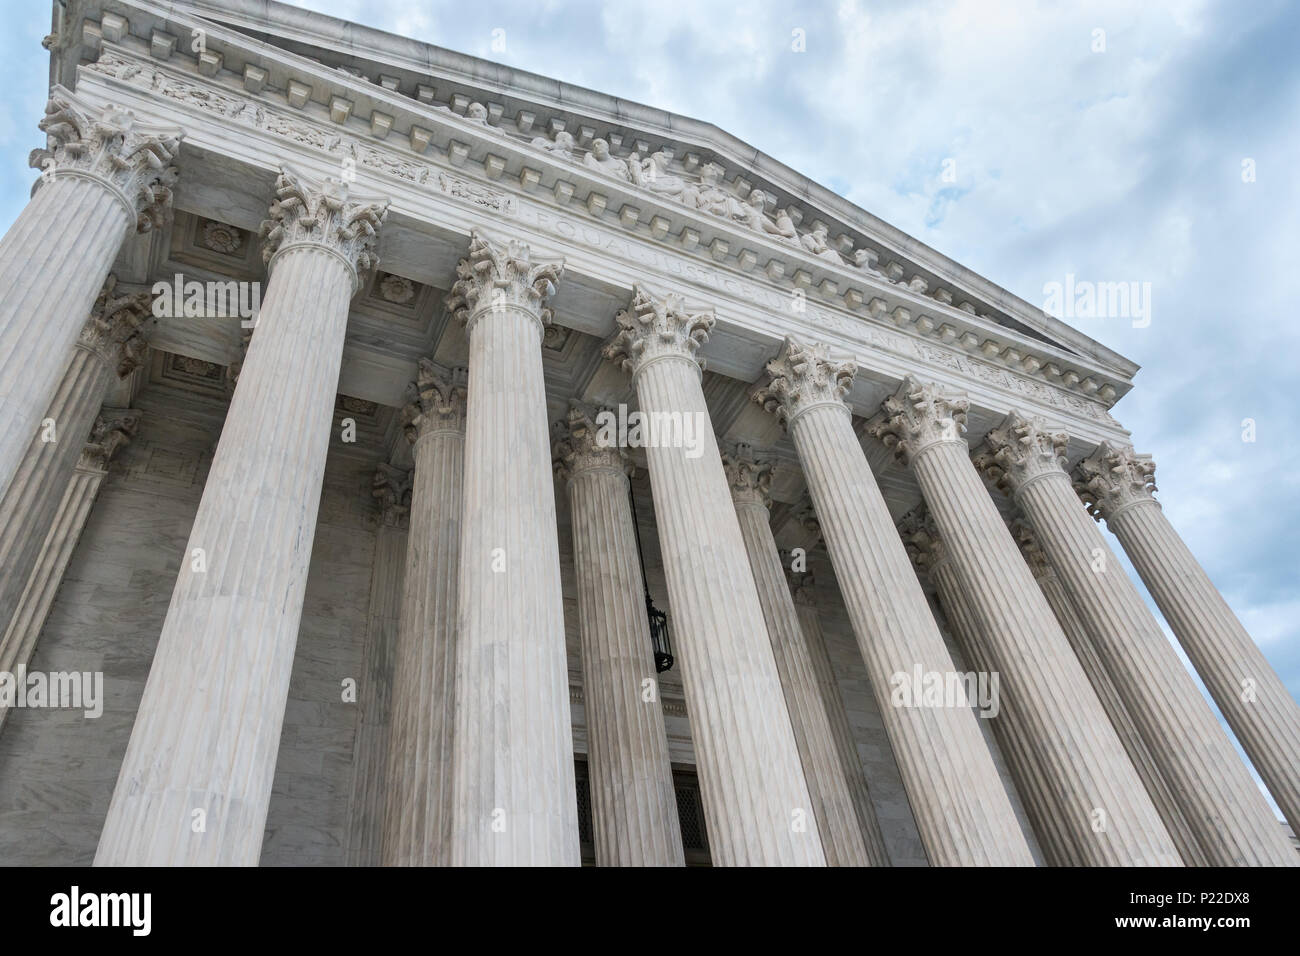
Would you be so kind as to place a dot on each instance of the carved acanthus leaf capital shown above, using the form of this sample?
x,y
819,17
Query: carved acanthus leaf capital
x,y
806,517
1027,539
435,401
500,275
113,329
921,539
586,439
110,145
236,365
803,377
917,416
322,213
1020,450
113,429
749,476
803,586
391,488
657,327
1111,479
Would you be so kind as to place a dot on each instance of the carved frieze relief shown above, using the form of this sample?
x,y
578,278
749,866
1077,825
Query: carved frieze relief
x,y
706,195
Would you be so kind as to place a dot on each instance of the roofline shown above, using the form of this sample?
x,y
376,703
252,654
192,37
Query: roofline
x,y
347,38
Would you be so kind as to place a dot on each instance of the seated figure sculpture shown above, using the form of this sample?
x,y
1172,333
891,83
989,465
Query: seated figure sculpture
x,y
561,146
816,243
600,158
652,173
709,196
751,212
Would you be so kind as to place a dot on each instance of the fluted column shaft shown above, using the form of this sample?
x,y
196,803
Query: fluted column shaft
x,y
1253,699
19,640
371,791
418,825
28,508
756,802
1032,783
1081,766
843,840
962,811
103,174
53,261
1219,799
1143,760
751,779
196,779
634,804
514,794
846,747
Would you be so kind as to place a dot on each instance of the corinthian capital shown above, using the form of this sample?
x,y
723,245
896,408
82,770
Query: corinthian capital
x,y
113,330
657,327
113,429
435,401
391,488
1024,535
585,441
805,516
750,477
109,145
921,539
1020,450
322,214
1111,479
502,275
804,377
917,416
803,586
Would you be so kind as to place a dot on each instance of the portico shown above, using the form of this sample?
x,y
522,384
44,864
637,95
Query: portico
x,y
396,531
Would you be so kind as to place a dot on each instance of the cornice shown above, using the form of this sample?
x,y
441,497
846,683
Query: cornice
x,y
369,46
892,351
372,111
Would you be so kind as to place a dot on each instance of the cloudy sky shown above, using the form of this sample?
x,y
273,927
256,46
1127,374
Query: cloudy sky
x,y
1109,141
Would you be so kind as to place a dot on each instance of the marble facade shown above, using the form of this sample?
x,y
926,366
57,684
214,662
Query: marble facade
x,y
356,405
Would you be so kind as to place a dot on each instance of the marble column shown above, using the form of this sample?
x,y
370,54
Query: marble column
x,y
1084,773
391,488
1117,485
103,174
962,811
843,840
633,801
513,791
113,429
1218,797
1034,786
196,779
756,802
1085,648
846,748
417,826
109,345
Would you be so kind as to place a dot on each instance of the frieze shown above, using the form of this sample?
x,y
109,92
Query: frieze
x,y
813,315
773,299
299,130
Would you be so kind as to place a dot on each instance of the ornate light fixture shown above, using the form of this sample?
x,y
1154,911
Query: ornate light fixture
x,y
658,619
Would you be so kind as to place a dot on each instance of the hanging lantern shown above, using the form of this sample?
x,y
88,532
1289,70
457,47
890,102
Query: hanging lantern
x,y
663,649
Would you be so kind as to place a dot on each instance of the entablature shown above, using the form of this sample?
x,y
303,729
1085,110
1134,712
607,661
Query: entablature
x,y
888,328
